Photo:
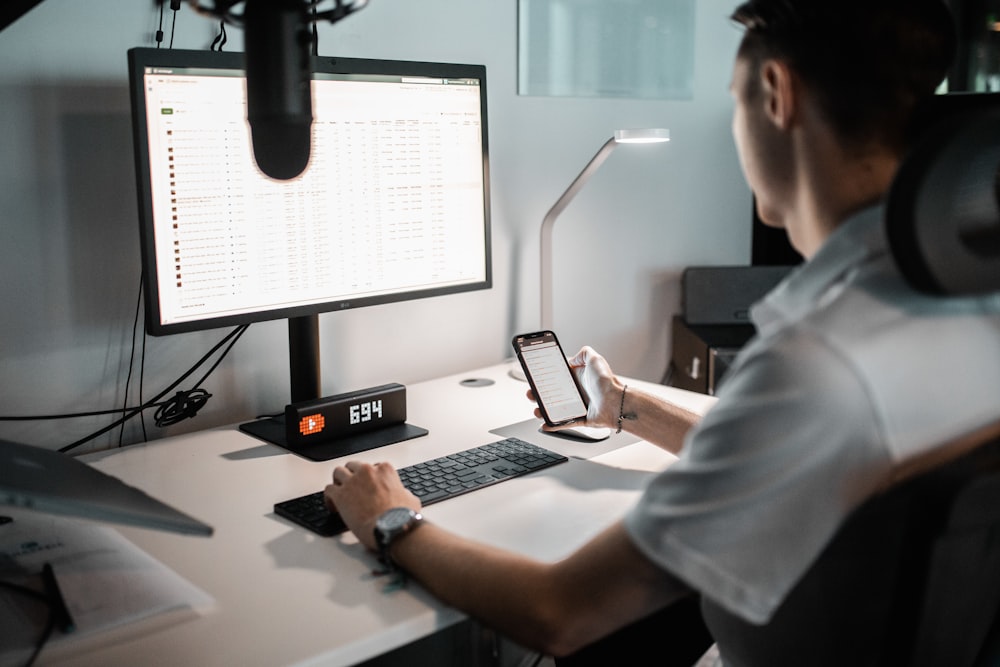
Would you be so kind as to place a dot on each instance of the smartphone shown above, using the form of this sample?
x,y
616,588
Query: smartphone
x,y
554,384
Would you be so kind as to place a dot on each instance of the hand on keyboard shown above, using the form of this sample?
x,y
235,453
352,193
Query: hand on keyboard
x,y
435,480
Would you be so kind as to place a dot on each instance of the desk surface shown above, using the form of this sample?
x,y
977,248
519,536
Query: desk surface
x,y
285,596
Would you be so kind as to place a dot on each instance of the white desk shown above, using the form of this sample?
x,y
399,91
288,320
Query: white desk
x,y
285,596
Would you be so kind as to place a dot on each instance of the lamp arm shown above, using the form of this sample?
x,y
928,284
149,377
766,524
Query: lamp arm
x,y
545,249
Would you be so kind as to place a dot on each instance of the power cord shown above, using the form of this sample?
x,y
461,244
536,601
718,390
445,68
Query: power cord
x,y
131,363
220,39
181,405
187,406
184,405
175,5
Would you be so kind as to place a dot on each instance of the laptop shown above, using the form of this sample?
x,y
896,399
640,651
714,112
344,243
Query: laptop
x,y
48,481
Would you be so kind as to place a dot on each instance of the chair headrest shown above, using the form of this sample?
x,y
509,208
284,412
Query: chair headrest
x,y
943,208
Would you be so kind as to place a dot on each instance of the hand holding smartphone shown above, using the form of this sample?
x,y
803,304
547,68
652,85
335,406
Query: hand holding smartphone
x,y
553,382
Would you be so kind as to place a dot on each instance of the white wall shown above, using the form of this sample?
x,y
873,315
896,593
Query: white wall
x,y
69,246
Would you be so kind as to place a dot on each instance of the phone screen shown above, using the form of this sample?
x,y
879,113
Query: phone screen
x,y
550,377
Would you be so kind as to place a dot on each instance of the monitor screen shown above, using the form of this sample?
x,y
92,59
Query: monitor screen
x,y
393,204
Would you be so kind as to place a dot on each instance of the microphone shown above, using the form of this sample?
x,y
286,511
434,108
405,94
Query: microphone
x,y
279,101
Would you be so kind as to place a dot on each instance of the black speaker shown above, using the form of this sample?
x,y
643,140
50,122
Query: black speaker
x,y
715,321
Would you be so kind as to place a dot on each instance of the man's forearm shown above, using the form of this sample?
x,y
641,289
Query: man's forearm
x,y
554,608
656,420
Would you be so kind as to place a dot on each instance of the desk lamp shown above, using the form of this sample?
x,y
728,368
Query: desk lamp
x,y
643,136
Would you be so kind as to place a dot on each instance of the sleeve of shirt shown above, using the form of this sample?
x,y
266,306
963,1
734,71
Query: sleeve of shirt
x,y
767,477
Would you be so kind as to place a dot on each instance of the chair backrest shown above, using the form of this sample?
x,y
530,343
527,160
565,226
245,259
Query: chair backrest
x,y
912,578
943,209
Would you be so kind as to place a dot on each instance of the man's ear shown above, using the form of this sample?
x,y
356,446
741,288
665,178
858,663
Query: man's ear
x,y
780,99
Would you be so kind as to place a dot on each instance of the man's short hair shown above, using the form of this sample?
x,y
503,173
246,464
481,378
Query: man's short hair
x,y
867,61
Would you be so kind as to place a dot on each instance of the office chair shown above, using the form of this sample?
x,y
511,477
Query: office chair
x,y
913,576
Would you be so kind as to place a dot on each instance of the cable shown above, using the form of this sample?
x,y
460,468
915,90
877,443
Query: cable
x,y
131,361
220,39
68,415
125,407
158,36
92,413
184,405
174,5
142,380
231,338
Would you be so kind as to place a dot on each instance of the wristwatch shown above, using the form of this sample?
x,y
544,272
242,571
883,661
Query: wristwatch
x,y
388,527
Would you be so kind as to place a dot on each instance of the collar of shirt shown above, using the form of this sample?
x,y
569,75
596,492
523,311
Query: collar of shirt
x,y
857,240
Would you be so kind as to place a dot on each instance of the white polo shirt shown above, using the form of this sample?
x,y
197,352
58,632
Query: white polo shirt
x,y
851,374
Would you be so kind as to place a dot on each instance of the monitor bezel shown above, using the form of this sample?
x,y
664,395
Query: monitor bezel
x,y
141,58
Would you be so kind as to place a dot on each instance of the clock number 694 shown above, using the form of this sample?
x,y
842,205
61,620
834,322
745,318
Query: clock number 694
x,y
365,412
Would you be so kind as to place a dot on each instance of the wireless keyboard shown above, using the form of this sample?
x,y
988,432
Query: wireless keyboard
x,y
435,480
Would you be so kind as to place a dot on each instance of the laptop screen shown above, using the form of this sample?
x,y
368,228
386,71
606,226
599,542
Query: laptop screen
x,y
49,481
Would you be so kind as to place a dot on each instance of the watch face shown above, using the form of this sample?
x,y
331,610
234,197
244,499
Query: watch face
x,y
394,519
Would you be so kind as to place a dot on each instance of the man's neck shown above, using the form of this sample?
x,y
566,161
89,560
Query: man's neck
x,y
834,185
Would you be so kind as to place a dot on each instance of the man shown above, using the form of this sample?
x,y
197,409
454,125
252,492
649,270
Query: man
x,y
822,408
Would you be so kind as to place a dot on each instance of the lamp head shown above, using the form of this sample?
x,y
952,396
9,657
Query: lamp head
x,y
654,135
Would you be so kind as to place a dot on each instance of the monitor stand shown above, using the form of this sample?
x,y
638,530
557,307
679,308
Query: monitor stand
x,y
303,358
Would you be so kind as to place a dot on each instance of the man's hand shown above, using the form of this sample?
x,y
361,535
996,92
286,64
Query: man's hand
x,y
602,388
361,492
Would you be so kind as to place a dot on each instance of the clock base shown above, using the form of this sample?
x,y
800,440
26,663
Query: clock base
x,y
272,429
334,426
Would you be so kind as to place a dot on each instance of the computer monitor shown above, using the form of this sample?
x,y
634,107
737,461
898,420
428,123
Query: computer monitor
x,y
393,204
